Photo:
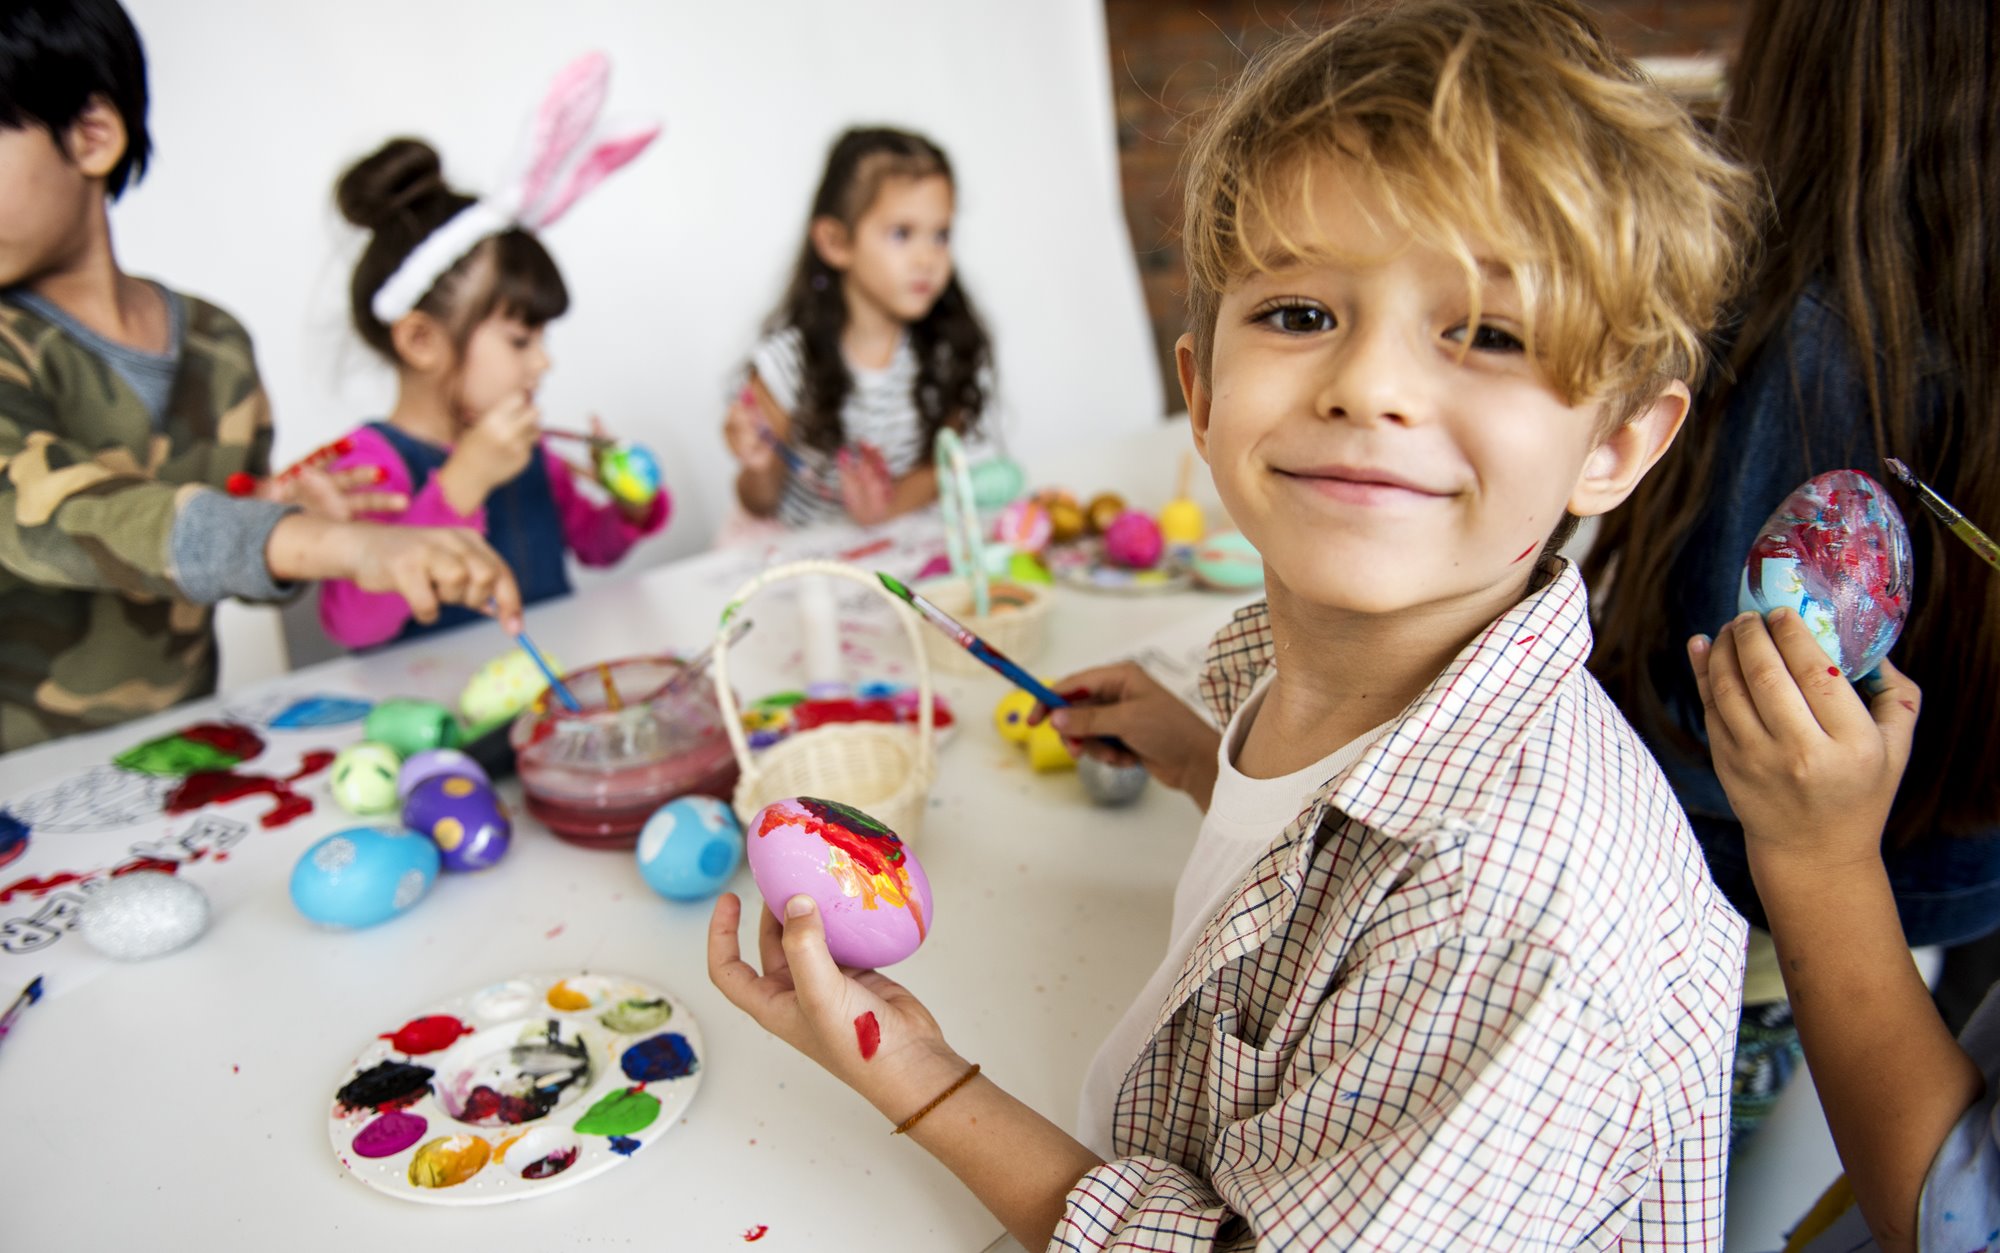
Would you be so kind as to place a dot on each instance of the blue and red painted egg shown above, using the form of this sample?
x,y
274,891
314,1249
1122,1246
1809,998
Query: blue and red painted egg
x,y
1836,552
873,896
463,817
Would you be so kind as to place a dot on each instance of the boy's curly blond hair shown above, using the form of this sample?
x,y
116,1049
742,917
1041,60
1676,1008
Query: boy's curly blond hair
x,y
1509,127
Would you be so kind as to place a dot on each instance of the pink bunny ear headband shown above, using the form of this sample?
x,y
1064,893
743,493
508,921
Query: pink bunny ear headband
x,y
567,157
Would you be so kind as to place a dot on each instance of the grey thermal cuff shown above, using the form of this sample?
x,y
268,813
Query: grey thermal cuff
x,y
218,548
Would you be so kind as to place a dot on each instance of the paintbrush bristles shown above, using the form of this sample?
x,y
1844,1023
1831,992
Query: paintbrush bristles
x,y
1902,472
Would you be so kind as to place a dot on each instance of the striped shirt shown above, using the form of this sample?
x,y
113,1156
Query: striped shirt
x,y
1481,993
881,409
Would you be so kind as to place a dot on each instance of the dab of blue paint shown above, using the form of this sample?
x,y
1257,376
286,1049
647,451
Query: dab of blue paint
x,y
664,1056
321,711
624,1146
13,837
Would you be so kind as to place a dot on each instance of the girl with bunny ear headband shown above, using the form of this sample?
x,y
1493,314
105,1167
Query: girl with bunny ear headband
x,y
454,292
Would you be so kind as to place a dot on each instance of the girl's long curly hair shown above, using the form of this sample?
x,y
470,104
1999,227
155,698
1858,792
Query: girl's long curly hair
x,y
951,345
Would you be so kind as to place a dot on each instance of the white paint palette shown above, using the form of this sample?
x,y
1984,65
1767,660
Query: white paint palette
x,y
517,1089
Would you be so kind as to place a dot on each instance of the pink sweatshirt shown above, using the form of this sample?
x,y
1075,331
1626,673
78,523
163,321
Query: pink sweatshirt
x,y
599,535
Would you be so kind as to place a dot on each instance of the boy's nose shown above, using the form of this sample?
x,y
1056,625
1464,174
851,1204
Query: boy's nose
x,y
1371,378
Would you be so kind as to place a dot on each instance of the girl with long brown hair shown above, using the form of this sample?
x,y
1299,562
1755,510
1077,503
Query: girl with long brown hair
x,y
874,349
1868,331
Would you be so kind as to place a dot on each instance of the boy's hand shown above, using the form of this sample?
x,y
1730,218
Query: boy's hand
x,y
428,566
339,495
1810,770
824,1010
1173,742
865,484
491,452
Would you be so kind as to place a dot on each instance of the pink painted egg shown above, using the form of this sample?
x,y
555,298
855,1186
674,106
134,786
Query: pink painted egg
x,y
1024,526
873,896
1133,540
1835,551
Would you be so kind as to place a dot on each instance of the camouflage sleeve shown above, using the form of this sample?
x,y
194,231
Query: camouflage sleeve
x,y
72,520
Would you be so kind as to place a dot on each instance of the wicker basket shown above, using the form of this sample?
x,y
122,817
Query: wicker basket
x,y
1016,631
882,769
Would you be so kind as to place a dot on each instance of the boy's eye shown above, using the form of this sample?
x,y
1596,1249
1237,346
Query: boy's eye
x,y
1297,319
1486,338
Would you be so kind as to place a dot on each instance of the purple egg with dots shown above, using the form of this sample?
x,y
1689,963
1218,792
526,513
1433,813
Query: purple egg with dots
x,y
689,848
436,761
463,817
1133,540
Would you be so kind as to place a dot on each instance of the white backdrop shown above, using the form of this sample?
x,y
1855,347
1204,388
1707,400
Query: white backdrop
x,y
674,262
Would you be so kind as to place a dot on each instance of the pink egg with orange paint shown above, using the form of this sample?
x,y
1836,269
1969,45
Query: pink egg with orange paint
x,y
873,896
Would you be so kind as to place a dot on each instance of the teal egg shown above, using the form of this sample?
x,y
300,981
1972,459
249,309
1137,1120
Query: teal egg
x,y
363,876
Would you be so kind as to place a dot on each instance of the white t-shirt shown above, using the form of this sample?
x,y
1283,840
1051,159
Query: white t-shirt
x,y
1244,816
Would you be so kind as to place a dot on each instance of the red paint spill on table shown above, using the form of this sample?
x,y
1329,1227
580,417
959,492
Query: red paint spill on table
x,y
755,1234
216,787
869,1033
36,887
554,931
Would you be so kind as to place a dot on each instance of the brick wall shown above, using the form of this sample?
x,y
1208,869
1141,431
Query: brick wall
x,y
1169,56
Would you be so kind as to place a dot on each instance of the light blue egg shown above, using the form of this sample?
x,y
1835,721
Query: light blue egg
x,y
363,875
689,848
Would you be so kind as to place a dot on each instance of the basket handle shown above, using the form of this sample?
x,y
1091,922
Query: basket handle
x,y
961,518
725,695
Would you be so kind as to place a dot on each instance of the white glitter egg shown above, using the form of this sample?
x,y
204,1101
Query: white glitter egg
x,y
1110,786
141,915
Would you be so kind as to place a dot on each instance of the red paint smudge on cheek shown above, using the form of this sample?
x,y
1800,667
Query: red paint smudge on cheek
x,y
868,1033
1523,557
755,1234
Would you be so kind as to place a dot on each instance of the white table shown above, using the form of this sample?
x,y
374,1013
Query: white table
x,y
184,1099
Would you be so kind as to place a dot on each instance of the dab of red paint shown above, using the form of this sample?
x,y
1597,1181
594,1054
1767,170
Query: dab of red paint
x,y
426,1035
216,787
33,886
1527,639
1523,557
869,1033
755,1234
1834,671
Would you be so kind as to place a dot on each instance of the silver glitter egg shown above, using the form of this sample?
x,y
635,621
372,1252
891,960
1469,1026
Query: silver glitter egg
x,y
1110,786
148,914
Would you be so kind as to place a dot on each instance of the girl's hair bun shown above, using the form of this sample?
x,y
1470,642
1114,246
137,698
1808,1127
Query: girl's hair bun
x,y
395,179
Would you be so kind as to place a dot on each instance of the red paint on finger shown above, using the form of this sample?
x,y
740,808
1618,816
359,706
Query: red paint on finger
x,y
868,1033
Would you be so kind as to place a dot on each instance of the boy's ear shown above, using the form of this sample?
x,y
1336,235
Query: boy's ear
x,y
95,141
1617,464
1194,391
421,343
831,240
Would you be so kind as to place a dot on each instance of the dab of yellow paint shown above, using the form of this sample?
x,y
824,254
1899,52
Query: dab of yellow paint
x,y
564,997
448,1161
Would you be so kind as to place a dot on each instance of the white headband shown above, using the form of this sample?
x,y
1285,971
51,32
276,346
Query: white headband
x,y
564,141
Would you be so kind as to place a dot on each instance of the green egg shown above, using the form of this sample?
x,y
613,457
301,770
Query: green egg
x,y
411,726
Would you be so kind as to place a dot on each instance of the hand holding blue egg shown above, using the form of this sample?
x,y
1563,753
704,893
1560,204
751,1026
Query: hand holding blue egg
x,y
1836,552
630,472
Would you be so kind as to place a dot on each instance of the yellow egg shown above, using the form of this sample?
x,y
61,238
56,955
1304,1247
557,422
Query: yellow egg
x,y
1066,522
1181,522
1010,716
1102,511
1046,750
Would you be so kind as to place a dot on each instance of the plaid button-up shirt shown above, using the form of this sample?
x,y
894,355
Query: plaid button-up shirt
x,y
1480,994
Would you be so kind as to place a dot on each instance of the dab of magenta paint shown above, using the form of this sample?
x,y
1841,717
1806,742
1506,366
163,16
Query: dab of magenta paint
x,y
390,1134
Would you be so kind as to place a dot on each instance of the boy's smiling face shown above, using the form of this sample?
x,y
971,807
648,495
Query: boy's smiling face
x,y
1382,451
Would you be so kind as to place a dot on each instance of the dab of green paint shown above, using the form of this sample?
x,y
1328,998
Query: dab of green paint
x,y
620,1113
633,1016
173,756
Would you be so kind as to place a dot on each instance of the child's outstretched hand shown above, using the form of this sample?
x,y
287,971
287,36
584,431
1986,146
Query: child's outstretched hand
x,y
337,495
865,484
1810,770
863,1027
491,451
1123,702
428,566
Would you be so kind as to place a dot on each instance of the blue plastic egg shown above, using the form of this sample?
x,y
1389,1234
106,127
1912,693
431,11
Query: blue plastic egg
x,y
689,848
363,875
